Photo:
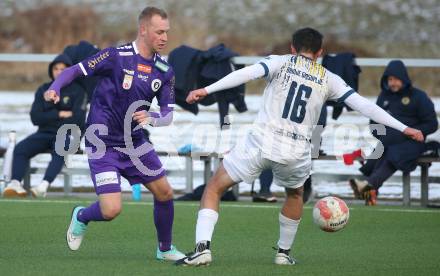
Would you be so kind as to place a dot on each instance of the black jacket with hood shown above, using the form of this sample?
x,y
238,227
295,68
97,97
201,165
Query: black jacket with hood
x,y
73,98
195,68
412,107
77,53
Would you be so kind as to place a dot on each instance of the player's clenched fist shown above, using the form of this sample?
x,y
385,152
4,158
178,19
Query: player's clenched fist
x,y
196,95
142,117
51,95
414,134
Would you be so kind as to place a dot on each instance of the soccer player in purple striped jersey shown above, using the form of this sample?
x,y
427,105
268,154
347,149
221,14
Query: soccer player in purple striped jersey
x,y
130,77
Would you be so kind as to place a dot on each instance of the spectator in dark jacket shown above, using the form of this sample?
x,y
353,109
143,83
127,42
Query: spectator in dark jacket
x,y
412,107
77,53
48,117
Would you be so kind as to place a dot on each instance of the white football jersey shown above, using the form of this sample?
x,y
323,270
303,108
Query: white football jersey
x,y
297,88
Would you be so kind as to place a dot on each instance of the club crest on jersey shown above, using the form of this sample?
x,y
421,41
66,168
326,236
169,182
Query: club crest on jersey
x,y
144,68
406,100
128,80
156,84
66,99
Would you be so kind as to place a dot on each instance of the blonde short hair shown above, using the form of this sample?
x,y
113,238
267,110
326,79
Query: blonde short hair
x,y
149,12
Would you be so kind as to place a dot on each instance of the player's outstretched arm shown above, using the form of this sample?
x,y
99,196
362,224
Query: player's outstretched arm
x,y
377,114
231,80
65,78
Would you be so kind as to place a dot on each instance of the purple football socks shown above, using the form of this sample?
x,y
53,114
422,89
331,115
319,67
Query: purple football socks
x,y
163,219
91,213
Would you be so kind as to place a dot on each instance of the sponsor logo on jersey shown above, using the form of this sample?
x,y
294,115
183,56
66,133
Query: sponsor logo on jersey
x,y
144,68
128,72
304,75
66,99
106,178
124,54
156,84
406,100
142,77
290,134
162,66
128,80
93,62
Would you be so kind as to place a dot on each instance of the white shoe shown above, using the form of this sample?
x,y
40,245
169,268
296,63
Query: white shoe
x,y
201,256
282,258
76,231
14,189
40,190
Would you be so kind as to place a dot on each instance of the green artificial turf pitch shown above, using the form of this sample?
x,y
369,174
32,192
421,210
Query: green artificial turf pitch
x,y
377,241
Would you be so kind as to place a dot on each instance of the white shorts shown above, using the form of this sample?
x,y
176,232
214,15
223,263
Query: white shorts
x,y
245,162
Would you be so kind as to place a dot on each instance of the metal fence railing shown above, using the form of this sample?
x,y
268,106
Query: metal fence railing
x,y
245,60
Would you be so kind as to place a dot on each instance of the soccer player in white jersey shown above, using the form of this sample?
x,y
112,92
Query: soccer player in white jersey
x,y
297,87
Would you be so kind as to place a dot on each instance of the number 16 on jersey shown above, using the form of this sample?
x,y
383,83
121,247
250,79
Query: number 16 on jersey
x,y
301,95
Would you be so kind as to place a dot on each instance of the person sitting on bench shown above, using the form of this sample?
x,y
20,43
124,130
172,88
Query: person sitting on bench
x,y
412,107
48,117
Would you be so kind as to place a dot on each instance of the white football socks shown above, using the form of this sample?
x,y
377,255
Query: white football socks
x,y
206,221
207,218
288,228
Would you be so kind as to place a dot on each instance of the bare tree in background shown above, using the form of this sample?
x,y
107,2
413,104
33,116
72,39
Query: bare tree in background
x,y
50,28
